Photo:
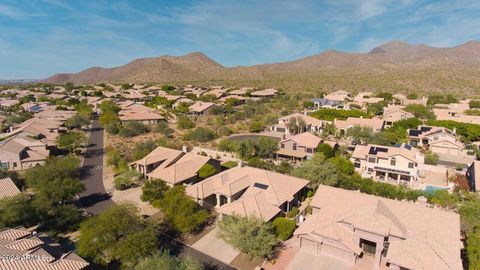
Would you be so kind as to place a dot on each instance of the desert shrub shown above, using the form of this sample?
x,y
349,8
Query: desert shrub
x,y
126,179
184,122
283,227
199,134
292,213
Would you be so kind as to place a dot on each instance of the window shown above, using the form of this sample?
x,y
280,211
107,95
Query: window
x,y
372,159
294,146
356,164
410,165
14,164
282,145
393,161
4,165
309,150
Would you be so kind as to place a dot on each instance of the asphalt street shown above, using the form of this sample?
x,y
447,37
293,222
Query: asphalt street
x,y
95,198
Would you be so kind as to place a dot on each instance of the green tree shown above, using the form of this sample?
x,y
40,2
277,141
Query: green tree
x,y
183,213
17,211
420,111
250,235
473,249
118,234
360,134
153,190
71,141
142,149
265,147
283,227
431,158
163,260
296,125
326,150
77,121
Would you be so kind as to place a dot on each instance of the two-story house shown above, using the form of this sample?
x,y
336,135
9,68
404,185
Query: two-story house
x,y
392,114
392,164
361,231
311,124
436,139
300,146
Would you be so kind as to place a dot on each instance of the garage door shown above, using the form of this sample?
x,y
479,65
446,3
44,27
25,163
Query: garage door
x,y
309,245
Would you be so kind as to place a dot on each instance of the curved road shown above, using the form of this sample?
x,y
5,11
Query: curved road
x,y
95,198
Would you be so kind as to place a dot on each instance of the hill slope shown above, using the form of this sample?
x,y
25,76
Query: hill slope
x,y
394,66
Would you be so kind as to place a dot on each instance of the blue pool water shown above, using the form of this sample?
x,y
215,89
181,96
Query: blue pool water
x,y
432,189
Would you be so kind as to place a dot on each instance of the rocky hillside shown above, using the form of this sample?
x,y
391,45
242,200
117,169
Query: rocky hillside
x,y
394,66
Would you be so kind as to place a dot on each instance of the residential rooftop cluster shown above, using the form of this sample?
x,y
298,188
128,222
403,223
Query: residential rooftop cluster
x,y
361,181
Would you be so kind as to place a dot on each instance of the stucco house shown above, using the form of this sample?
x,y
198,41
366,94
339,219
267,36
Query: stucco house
x,y
20,153
392,114
339,95
436,139
300,146
312,124
200,107
392,164
135,112
249,191
172,166
34,251
378,233
375,124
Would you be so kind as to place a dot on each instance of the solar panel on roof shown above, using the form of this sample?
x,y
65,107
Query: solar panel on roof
x,y
408,146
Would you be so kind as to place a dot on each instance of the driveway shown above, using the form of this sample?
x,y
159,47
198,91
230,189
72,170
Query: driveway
x,y
95,198
307,261
215,247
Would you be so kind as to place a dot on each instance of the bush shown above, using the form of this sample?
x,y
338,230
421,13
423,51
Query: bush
x,y
283,227
292,213
163,128
206,171
330,114
199,134
126,180
132,128
431,158
184,122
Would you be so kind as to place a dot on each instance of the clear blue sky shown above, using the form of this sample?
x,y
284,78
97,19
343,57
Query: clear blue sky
x,y
41,37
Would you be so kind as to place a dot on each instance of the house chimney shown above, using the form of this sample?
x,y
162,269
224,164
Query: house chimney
x,y
304,113
454,130
241,164
185,149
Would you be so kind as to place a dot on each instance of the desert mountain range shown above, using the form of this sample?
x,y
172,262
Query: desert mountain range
x,y
394,66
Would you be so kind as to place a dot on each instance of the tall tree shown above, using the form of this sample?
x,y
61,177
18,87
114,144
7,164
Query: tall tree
x,y
118,234
249,235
